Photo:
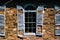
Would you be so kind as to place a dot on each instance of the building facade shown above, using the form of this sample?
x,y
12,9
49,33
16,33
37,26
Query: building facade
x,y
30,22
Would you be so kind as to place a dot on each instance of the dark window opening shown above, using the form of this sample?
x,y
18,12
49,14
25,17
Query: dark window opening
x,y
30,22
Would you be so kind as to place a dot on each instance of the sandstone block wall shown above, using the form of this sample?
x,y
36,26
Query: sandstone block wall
x,y
11,26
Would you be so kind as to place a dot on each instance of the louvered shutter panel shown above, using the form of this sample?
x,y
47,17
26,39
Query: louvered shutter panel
x,y
20,16
39,19
2,20
57,21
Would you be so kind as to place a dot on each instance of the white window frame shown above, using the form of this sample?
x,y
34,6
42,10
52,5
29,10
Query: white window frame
x,y
30,34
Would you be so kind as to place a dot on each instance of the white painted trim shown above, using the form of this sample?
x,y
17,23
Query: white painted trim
x,y
24,20
30,10
57,24
29,34
38,33
1,14
2,34
57,14
19,7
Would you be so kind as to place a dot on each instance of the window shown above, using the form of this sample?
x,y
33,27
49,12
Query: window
x,y
2,21
30,21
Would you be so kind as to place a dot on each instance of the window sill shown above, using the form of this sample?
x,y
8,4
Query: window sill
x,y
29,34
57,24
57,34
20,35
38,33
2,35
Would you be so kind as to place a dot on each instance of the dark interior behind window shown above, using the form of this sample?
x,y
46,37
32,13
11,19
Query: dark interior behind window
x,y
30,22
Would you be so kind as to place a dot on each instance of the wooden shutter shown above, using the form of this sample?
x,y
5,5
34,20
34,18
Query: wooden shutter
x,y
20,16
2,20
39,20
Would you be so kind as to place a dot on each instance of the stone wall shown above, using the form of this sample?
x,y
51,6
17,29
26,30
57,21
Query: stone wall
x,y
11,26
48,24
